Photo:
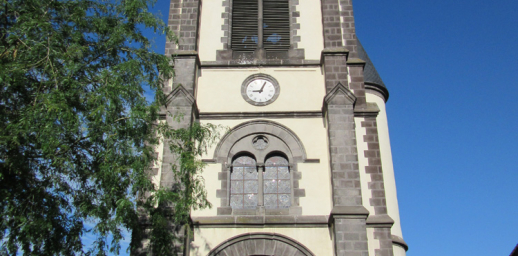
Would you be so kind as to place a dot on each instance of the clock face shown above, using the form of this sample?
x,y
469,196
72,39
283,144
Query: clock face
x,y
260,90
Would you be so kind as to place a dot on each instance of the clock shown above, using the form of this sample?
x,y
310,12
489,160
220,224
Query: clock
x,y
260,89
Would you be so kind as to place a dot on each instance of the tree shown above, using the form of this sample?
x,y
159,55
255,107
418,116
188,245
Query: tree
x,y
77,135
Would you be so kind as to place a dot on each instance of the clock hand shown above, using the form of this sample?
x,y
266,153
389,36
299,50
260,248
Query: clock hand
x,y
262,87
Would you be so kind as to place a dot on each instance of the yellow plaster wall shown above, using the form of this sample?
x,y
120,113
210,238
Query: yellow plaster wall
x,y
316,239
310,20
301,89
210,29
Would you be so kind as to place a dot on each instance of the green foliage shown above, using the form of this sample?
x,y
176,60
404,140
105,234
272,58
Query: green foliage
x,y
77,136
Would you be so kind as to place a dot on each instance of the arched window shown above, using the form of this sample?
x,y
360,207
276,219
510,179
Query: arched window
x,y
277,183
250,188
244,183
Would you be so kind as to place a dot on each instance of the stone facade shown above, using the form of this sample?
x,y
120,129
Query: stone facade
x,y
321,120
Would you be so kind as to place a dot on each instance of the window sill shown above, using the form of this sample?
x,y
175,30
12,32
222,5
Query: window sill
x,y
320,220
261,211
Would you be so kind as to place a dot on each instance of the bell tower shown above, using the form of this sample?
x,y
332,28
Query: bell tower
x,y
306,167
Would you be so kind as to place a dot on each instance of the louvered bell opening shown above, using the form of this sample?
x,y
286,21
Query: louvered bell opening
x,y
276,28
244,25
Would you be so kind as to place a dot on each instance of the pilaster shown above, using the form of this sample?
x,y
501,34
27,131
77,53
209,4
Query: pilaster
x,y
348,214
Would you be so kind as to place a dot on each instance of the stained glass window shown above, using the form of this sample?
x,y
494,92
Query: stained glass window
x,y
277,184
244,183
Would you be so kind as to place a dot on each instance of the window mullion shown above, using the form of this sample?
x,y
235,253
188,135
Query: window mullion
x,y
260,191
260,25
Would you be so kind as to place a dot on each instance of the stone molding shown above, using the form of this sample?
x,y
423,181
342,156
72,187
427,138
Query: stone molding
x,y
399,241
265,220
260,244
180,91
335,51
370,110
185,99
377,89
339,89
350,210
260,63
267,114
372,221
356,62
266,126
380,221
177,54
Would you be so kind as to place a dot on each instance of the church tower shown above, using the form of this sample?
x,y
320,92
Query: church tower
x,y
306,167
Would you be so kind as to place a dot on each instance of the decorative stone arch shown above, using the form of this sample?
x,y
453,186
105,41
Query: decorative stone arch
x,y
297,151
282,139
260,244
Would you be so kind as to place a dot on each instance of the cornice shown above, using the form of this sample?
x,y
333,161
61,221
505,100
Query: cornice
x,y
265,114
369,110
399,241
377,89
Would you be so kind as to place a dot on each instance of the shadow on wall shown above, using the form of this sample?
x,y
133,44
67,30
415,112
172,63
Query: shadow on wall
x,y
203,248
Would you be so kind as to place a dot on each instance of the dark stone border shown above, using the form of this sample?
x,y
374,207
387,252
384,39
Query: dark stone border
x,y
374,166
276,129
260,244
253,77
382,234
270,114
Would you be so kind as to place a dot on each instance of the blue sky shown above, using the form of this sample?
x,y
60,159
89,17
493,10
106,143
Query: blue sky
x,y
452,71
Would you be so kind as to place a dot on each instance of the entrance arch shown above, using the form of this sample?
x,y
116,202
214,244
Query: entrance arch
x,y
252,244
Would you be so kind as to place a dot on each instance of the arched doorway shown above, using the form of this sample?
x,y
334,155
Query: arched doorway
x,y
254,244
